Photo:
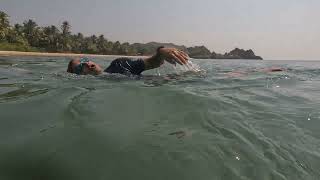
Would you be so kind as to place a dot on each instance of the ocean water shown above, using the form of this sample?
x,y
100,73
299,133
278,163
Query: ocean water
x,y
231,120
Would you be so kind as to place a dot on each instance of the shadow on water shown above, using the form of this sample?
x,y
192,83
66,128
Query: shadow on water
x,y
5,63
21,93
80,154
29,166
60,162
152,80
184,77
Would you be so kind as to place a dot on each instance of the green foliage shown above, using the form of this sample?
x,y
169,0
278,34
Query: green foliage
x,y
241,54
4,46
30,37
199,52
50,38
16,38
31,32
151,47
4,25
65,39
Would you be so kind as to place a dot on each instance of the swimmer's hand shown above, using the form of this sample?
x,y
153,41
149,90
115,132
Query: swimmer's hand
x,y
171,55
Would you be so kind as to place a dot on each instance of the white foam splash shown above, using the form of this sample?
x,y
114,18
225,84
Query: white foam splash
x,y
189,67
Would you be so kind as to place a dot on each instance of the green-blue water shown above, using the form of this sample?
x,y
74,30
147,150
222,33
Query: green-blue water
x,y
177,126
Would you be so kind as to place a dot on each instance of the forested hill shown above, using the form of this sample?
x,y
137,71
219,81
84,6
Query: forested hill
x,y
31,37
200,52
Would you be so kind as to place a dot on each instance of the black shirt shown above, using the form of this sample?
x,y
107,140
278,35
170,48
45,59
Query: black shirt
x,y
126,66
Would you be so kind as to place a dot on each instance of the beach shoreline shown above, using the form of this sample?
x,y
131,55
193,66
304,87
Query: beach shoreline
x,y
45,54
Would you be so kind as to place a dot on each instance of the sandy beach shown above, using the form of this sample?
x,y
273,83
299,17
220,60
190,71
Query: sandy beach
x,y
18,53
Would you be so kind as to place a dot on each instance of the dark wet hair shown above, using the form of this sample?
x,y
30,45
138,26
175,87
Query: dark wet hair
x,y
70,68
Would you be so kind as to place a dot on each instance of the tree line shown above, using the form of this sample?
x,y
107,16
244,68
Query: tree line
x,y
28,36
58,39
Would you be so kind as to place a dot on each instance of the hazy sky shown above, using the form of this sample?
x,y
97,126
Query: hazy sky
x,y
274,29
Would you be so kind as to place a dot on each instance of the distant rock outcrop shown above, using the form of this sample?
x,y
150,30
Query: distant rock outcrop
x,y
201,52
241,54
198,52
151,47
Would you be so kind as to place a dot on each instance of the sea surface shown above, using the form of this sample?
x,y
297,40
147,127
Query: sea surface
x,y
233,120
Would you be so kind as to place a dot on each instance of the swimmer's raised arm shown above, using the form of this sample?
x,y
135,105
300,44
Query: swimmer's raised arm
x,y
171,55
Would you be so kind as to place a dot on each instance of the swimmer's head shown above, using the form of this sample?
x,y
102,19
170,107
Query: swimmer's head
x,y
83,66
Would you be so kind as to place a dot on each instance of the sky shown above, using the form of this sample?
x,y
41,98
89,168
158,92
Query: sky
x,y
273,29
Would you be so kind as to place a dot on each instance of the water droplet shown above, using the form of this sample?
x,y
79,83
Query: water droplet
x,y
238,158
309,119
277,86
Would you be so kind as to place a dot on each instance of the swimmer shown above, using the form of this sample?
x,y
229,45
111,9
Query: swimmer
x,y
265,70
128,66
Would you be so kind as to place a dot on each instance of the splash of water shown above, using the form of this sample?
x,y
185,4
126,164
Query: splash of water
x,y
189,67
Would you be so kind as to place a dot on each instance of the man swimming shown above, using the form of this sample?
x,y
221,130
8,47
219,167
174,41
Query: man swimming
x,y
127,66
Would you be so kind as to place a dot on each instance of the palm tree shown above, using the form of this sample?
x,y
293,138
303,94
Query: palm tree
x,y
31,31
19,29
116,47
124,48
52,34
4,25
77,43
94,39
66,36
65,27
15,36
55,33
61,39
102,45
91,44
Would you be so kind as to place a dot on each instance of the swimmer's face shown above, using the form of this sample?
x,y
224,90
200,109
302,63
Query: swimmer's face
x,y
84,68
